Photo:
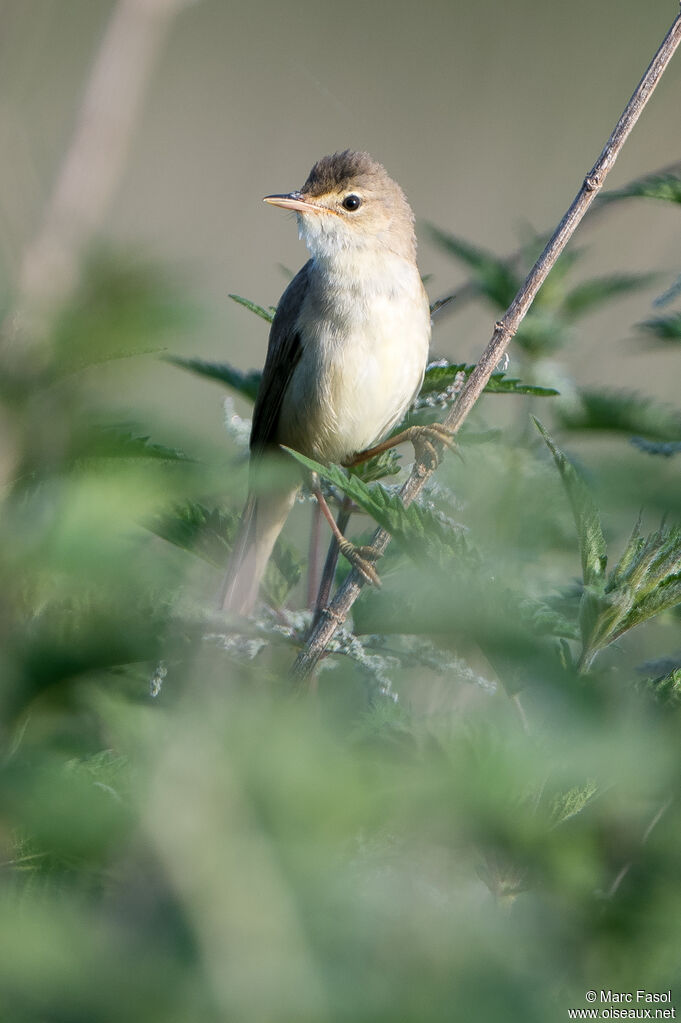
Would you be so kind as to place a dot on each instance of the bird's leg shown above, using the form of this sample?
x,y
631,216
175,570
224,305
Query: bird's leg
x,y
360,558
329,569
424,439
313,557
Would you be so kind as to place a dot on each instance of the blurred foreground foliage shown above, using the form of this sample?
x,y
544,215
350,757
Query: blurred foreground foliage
x,y
473,815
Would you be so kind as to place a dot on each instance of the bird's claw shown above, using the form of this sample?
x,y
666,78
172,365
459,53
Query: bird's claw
x,y
361,558
425,438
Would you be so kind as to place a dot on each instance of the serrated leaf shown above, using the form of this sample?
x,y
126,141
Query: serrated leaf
x,y
494,277
266,314
544,620
246,384
440,377
589,295
379,467
499,383
209,533
592,544
569,804
645,582
664,328
623,413
665,688
206,532
122,442
416,528
658,186
630,554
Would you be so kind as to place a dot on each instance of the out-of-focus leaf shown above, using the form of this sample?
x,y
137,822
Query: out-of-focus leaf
x,y
664,328
246,384
544,329
207,532
622,412
210,533
123,442
266,314
122,308
659,186
569,804
587,519
494,277
665,688
669,294
589,295
657,447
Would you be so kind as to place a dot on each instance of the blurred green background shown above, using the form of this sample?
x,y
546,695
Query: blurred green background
x,y
473,812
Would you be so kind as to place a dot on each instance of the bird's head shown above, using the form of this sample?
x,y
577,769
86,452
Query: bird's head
x,y
349,202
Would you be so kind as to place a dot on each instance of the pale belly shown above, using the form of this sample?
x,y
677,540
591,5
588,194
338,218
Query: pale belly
x,y
356,377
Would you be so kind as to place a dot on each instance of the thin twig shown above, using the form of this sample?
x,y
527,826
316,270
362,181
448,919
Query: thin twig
x,y
505,328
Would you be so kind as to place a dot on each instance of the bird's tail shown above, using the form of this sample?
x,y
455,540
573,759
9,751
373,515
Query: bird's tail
x,y
262,520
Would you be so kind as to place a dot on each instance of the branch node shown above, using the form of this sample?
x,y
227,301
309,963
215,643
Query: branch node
x,y
504,327
334,616
592,182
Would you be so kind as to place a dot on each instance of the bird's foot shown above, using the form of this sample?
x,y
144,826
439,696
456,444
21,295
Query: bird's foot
x,y
362,559
425,440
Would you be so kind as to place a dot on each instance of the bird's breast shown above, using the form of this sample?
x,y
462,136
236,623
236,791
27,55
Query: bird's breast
x,y
365,344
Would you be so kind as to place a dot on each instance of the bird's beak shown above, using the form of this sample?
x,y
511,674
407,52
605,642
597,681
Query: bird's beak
x,y
293,201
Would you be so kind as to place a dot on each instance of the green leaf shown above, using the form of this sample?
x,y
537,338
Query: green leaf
x,y
122,442
656,186
621,412
418,529
569,804
645,582
493,276
657,447
246,384
266,314
666,688
669,294
589,295
664,328
439,377
592,545
378,467
499,383
122,308
209,533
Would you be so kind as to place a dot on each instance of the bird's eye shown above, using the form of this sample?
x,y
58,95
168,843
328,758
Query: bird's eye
x,y
351,203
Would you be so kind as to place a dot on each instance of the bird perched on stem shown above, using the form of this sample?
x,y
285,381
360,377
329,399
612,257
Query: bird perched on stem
x,y
347,349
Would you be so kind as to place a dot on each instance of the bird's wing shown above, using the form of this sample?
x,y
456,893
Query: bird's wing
x,y
283,353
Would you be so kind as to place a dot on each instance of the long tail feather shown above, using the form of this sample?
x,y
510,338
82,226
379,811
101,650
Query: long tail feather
x,y
262,520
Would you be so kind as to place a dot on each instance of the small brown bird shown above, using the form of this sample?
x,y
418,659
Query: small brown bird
x,y
347,348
